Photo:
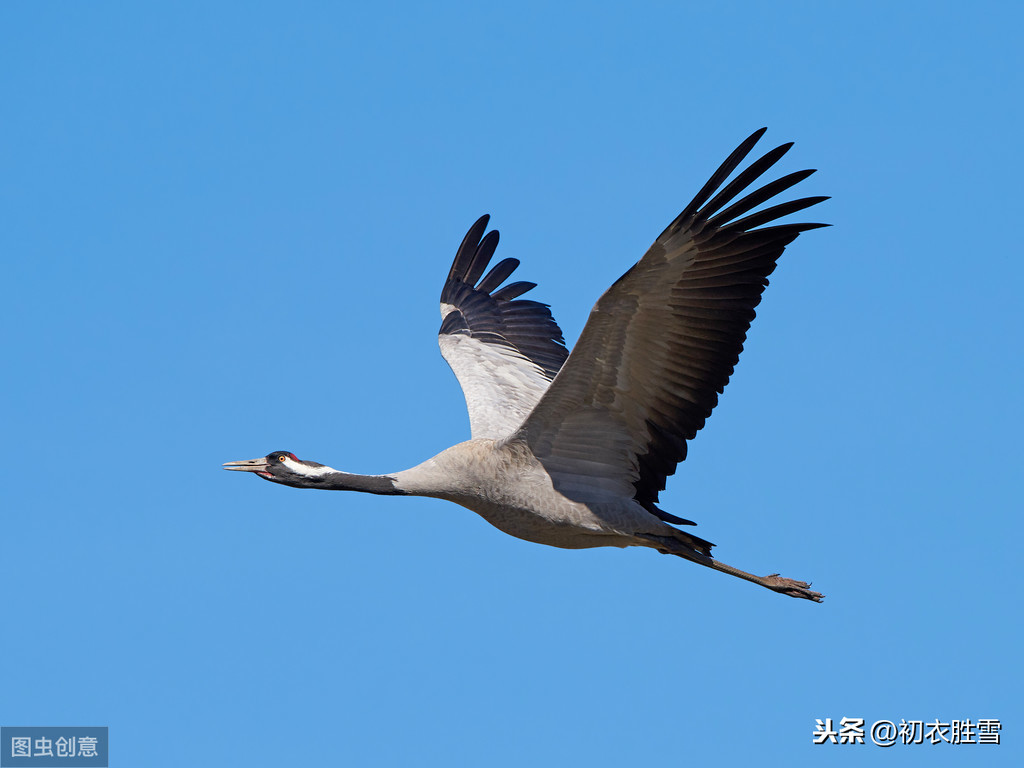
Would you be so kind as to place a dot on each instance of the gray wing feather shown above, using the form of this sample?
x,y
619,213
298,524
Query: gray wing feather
x,y
661,343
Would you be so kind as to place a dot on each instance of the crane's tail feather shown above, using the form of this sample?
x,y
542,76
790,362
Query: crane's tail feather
x,y
682,544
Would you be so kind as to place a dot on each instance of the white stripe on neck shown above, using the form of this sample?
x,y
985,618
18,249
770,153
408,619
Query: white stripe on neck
x,y
305,470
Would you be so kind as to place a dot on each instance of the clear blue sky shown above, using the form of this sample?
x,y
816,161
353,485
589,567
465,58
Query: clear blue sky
x,y
224,231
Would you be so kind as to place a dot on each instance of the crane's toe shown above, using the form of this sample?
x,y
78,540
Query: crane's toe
x,y
791,587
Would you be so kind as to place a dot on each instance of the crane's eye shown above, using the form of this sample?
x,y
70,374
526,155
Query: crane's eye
x,y
282,457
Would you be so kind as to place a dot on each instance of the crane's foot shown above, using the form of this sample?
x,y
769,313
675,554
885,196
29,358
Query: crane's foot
x,y
791,587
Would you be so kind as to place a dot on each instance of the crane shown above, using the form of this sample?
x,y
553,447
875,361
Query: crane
x,y
572,450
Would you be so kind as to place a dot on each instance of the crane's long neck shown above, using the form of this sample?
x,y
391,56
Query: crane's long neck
x,y
328,479
381,484
436,476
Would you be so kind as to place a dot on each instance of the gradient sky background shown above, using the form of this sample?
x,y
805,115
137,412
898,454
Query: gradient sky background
x,y
225,228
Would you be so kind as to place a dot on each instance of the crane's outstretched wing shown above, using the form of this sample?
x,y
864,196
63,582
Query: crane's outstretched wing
x,y
660,344
504,350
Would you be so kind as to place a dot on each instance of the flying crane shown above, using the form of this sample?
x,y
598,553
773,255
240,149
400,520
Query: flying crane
x,y
572,450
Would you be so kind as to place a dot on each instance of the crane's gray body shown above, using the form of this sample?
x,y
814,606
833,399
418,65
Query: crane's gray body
x,y
504,483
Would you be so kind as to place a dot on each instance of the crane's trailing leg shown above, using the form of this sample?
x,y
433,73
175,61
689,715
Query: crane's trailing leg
x,y
774,581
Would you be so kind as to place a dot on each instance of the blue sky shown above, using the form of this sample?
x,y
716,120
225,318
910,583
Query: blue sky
x,y
225,228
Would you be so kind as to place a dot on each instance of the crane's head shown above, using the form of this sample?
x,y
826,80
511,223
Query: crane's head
x,y
280,467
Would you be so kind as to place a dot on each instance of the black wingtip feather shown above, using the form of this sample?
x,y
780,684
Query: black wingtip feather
x,y
491,313
481,258
776,212
467,250
718,177
498,275
513,290
758,196
744,179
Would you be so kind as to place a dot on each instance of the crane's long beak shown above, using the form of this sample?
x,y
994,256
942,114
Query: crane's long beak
x,y
252,465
